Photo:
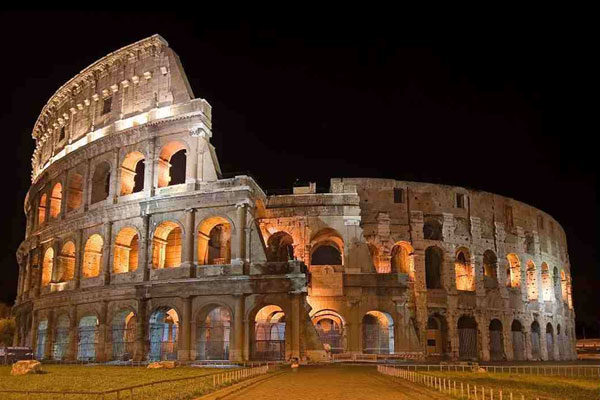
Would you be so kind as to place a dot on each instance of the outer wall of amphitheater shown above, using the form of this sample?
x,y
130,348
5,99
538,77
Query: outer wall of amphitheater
x,y
137,248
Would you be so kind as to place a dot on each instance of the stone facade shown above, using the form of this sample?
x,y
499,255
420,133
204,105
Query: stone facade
x,y
123,259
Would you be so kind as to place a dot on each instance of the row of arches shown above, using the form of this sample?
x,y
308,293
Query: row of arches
x,y
171,167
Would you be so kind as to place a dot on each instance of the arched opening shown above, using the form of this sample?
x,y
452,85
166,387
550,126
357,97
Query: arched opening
x,y
126,251
513,273
465,274
166,246
75,192
42,334
518,340
327,248
490,270
563,285
164,334
124,327
42,209
67,262
532,287
496,341
61,337
47,266
432,230
561,343
171,164
434,257
330,328
213,334
132,173
88,338
546,283
280,247
403,259
378,333
55,200
92,256
214,241
437,335
269,334
535,341
100,182
550,341
467,338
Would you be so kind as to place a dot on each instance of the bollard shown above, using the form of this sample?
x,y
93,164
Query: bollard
x,y
468,391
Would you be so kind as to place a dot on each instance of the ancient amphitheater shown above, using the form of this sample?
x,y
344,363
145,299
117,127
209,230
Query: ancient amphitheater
x,y
137,247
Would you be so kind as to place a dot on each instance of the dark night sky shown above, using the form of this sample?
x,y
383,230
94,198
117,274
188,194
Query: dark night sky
x,y
498,106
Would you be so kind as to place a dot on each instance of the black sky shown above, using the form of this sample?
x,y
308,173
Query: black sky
x,y
497,106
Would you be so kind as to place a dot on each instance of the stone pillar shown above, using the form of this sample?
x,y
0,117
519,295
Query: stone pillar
x,y
49,335
107,252
483,337
543,344
141,335
87,190
184,344
145,248
295,333
188,240
149,166
236,354
73,335
101,354
55,262
34,331
79,250
240,240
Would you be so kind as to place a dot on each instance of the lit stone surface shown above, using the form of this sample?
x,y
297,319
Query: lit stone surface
x,y
137,248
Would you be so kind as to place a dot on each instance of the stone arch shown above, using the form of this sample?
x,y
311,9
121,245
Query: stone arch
x,y
214,241
437,335
132,173
464,271
546,283
496,340
47,266
100,182
536,353
513,272
88,338
432,229
518,340
74,191
213,332
402,259
434,259
331,329
550,341
490,270
123,332
467,338
167,245
61,336
163,334
269,333
41,339
92,256
280,247
327,248
561,342
42,209
532,286
126,250
172,170
377,333
55,200
563,285
67,262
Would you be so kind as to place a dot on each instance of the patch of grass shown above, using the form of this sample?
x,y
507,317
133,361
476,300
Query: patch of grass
x,y
98,378
532,386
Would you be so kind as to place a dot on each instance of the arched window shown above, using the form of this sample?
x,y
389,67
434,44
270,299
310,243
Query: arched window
x,y
132,173
166,245
280,247
42,209
465,276
123,335
61,337
518,340
55,200
47,266
378,333
550,341
467,338
437,335
92,256
100,182
214,241
164,334
330,327
563,285
532,287
67,262
88,338
496,341
327,248
535,341
513,273
490,267
172,164
213,335
546,283
269,334
433,267
432,230
126,251
403,260
75,192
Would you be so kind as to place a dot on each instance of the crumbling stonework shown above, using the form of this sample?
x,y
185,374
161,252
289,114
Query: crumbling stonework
x,y
124,260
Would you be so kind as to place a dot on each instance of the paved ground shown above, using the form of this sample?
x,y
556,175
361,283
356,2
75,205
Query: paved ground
x,y
334,382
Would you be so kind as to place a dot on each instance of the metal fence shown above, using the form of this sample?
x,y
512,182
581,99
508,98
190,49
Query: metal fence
x,y
547,370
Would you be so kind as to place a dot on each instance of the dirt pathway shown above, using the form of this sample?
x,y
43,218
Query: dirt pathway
x,y
334,382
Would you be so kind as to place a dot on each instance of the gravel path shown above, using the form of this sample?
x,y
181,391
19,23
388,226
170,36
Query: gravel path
x,y
334,382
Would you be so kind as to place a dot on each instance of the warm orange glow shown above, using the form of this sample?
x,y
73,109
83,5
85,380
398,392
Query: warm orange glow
x,y
42,209
214,241
75,194
55,200
513,271
532,289
47,266
403,260
128,175
166,245
126,251
67,262
164,165
92,256
465,273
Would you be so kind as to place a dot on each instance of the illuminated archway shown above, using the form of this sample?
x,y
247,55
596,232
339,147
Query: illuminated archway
x,y
546,283
330,327
75,192
214,241
88,338
403,259
92,256
100,182
126,251
269,334
124,327
327,248
163,334
42,334
172,164
490,268
67,262
166,245
42,209
55,200
47,266
61,337
132,173
465,274
513,272
532,286
213,334
280,247
378,333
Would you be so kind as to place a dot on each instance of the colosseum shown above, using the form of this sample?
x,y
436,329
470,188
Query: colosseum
x,y
138,248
